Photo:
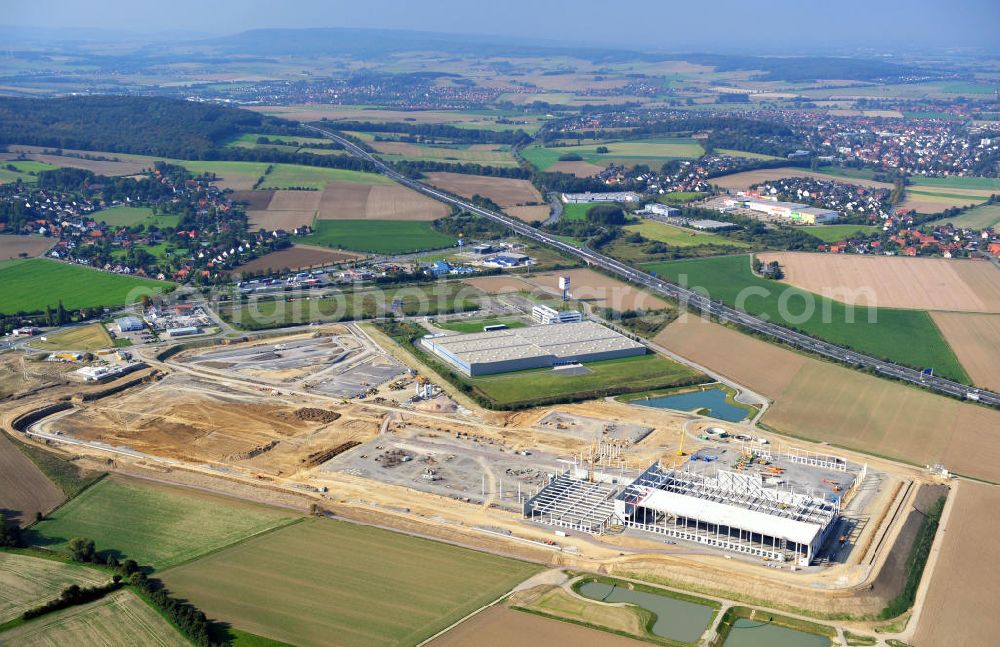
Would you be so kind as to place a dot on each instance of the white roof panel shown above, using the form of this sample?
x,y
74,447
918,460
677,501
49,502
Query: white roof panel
x,y
723,514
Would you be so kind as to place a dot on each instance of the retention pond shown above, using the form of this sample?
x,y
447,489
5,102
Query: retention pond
x,y
675,619
753,633
714,401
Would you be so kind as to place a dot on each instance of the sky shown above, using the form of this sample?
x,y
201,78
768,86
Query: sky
x,y
707,25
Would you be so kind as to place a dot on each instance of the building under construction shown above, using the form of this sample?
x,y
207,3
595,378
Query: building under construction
x,y
741,511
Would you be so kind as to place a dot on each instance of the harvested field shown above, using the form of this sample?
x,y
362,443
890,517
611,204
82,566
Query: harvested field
x,y
499,284
255,200
24,489
529,213
600,290
975,338
27,582
98,167
271,220
296,258
499,626
155,524
821,401
121,619
15,246
895,281
353,201
485,154
81,338
936,201
960,607
364,585
288,200
745,179
579,169
506,192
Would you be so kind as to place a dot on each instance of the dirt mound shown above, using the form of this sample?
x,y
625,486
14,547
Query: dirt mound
x,y
310,414
320,457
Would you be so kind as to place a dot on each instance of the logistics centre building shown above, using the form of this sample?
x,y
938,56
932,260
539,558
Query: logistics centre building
x,y
518,349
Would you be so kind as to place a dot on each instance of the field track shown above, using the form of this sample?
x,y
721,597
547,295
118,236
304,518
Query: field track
x,y
24,490
895,281
822,401
975,338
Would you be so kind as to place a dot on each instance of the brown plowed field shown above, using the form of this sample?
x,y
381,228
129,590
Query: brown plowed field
x,y
499,626
821,401
499,284
506,192
961,603
746,179
353,201
256,200
975,338
12,246
895,281
271,220
529,213
600,290
579,169
24,490
295,201
297,257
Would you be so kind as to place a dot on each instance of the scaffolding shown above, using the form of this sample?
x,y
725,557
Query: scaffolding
x,y
587,506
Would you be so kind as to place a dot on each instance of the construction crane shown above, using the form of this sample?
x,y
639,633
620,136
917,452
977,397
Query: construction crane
x,y
680,449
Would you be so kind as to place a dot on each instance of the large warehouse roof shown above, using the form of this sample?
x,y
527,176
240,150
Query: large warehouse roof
x,y
713,512
559,340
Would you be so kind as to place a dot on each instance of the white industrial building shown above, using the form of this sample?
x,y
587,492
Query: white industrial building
x,y
517,349
129,324
544,314
790,210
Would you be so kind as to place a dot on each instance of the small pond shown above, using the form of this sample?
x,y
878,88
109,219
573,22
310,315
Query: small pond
x,y
714,400
753,633
675,619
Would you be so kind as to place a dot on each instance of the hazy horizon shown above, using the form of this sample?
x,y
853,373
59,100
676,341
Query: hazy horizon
x,y
716,25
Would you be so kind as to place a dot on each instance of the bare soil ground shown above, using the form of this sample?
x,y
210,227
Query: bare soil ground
x,y
600,290
975,338
506,192
13,246
960,607
297,257
895,281
256,200
499,626
353,201
499,284
821,401
271,220
529,213
24,490
579,169
747,178
285,200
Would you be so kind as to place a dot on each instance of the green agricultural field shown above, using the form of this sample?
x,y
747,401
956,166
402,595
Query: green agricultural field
x,y
155,524
981,217
653,151
27,582
834,233
578,211
456,153
680,237
978,183
122,216
121,619
378,236
641,373
284,176
30,285
410,300
476,325
249,140
322,580
904,336
24,170
679,197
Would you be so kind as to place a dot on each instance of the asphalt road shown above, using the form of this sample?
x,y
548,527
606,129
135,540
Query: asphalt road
x,y
686,297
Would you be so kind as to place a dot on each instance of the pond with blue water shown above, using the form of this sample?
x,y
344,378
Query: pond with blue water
x,y
713,401
753,633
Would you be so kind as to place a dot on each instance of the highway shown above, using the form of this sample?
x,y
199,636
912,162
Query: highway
x,y
685,297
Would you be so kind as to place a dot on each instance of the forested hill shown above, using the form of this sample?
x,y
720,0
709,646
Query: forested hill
x,y
141,125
